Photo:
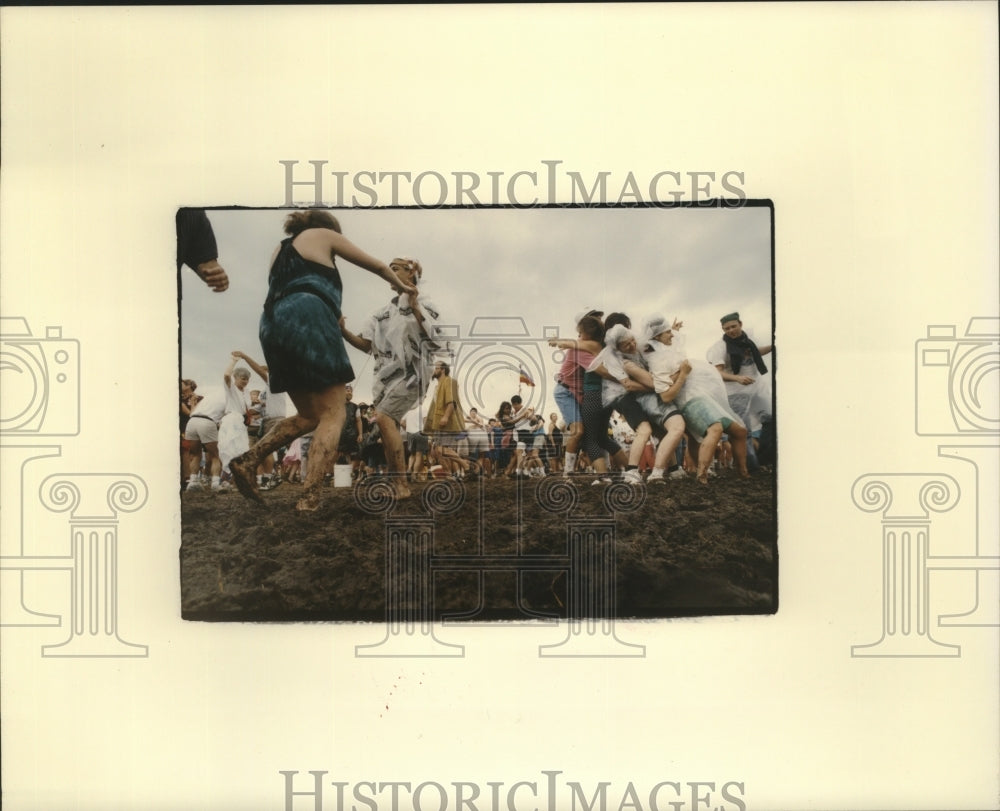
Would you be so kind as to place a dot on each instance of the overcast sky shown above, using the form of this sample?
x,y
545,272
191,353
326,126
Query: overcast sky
x,y
499,265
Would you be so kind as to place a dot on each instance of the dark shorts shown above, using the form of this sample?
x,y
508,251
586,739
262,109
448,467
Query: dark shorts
x,y
419,443
348,443
645,408
634,415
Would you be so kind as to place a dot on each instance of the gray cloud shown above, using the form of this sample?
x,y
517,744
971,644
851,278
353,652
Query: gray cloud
x,y
540,264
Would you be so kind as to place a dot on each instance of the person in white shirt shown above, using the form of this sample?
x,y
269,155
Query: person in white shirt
x,y
479,443
521,419
270,411
396,336
697,390
740,360
640,407
233,437
203,428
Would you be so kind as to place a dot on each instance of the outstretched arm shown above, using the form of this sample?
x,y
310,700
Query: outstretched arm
x,y
227,376
261,371
318,244
593,347
354,340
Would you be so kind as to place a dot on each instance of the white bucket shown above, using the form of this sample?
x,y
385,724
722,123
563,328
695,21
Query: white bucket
x,y
342,475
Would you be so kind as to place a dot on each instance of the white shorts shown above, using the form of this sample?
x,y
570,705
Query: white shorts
x,y
478,444
202,429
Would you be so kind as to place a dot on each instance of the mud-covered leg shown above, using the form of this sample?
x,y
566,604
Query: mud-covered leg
x,y
395,458
738,437
244,467
706,452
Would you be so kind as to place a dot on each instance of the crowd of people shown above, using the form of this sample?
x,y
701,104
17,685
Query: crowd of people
x,y
632,402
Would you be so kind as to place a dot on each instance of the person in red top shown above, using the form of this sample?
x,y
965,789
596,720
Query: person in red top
x,y
569,389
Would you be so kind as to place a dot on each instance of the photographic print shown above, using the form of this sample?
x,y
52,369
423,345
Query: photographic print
x,y
488,633
581,505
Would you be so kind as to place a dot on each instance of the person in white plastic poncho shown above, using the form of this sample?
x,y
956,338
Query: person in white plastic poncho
x,y
641,408
696,388
396,335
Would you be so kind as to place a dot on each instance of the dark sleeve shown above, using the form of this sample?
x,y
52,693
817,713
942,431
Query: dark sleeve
x,y
195,238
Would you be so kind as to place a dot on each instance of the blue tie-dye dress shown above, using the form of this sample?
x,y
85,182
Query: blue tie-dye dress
x,y
299,328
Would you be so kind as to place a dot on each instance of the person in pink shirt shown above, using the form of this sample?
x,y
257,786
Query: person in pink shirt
x,y
579,355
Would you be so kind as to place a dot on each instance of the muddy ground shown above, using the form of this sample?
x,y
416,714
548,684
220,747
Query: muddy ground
x,y
489,549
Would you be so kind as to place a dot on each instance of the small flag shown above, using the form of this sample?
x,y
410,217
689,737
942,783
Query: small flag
x,y
525,377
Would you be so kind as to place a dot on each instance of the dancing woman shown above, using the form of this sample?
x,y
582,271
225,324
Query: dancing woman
x,y
304,347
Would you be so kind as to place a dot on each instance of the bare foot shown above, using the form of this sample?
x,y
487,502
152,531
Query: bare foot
x,y
309,502
245,478
402,491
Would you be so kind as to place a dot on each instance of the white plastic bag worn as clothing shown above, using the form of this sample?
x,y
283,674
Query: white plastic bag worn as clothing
x,y
233,439
703,380
751,402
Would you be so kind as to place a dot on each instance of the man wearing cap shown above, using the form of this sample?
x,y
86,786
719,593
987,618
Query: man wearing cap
x,y
394,335
740,361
